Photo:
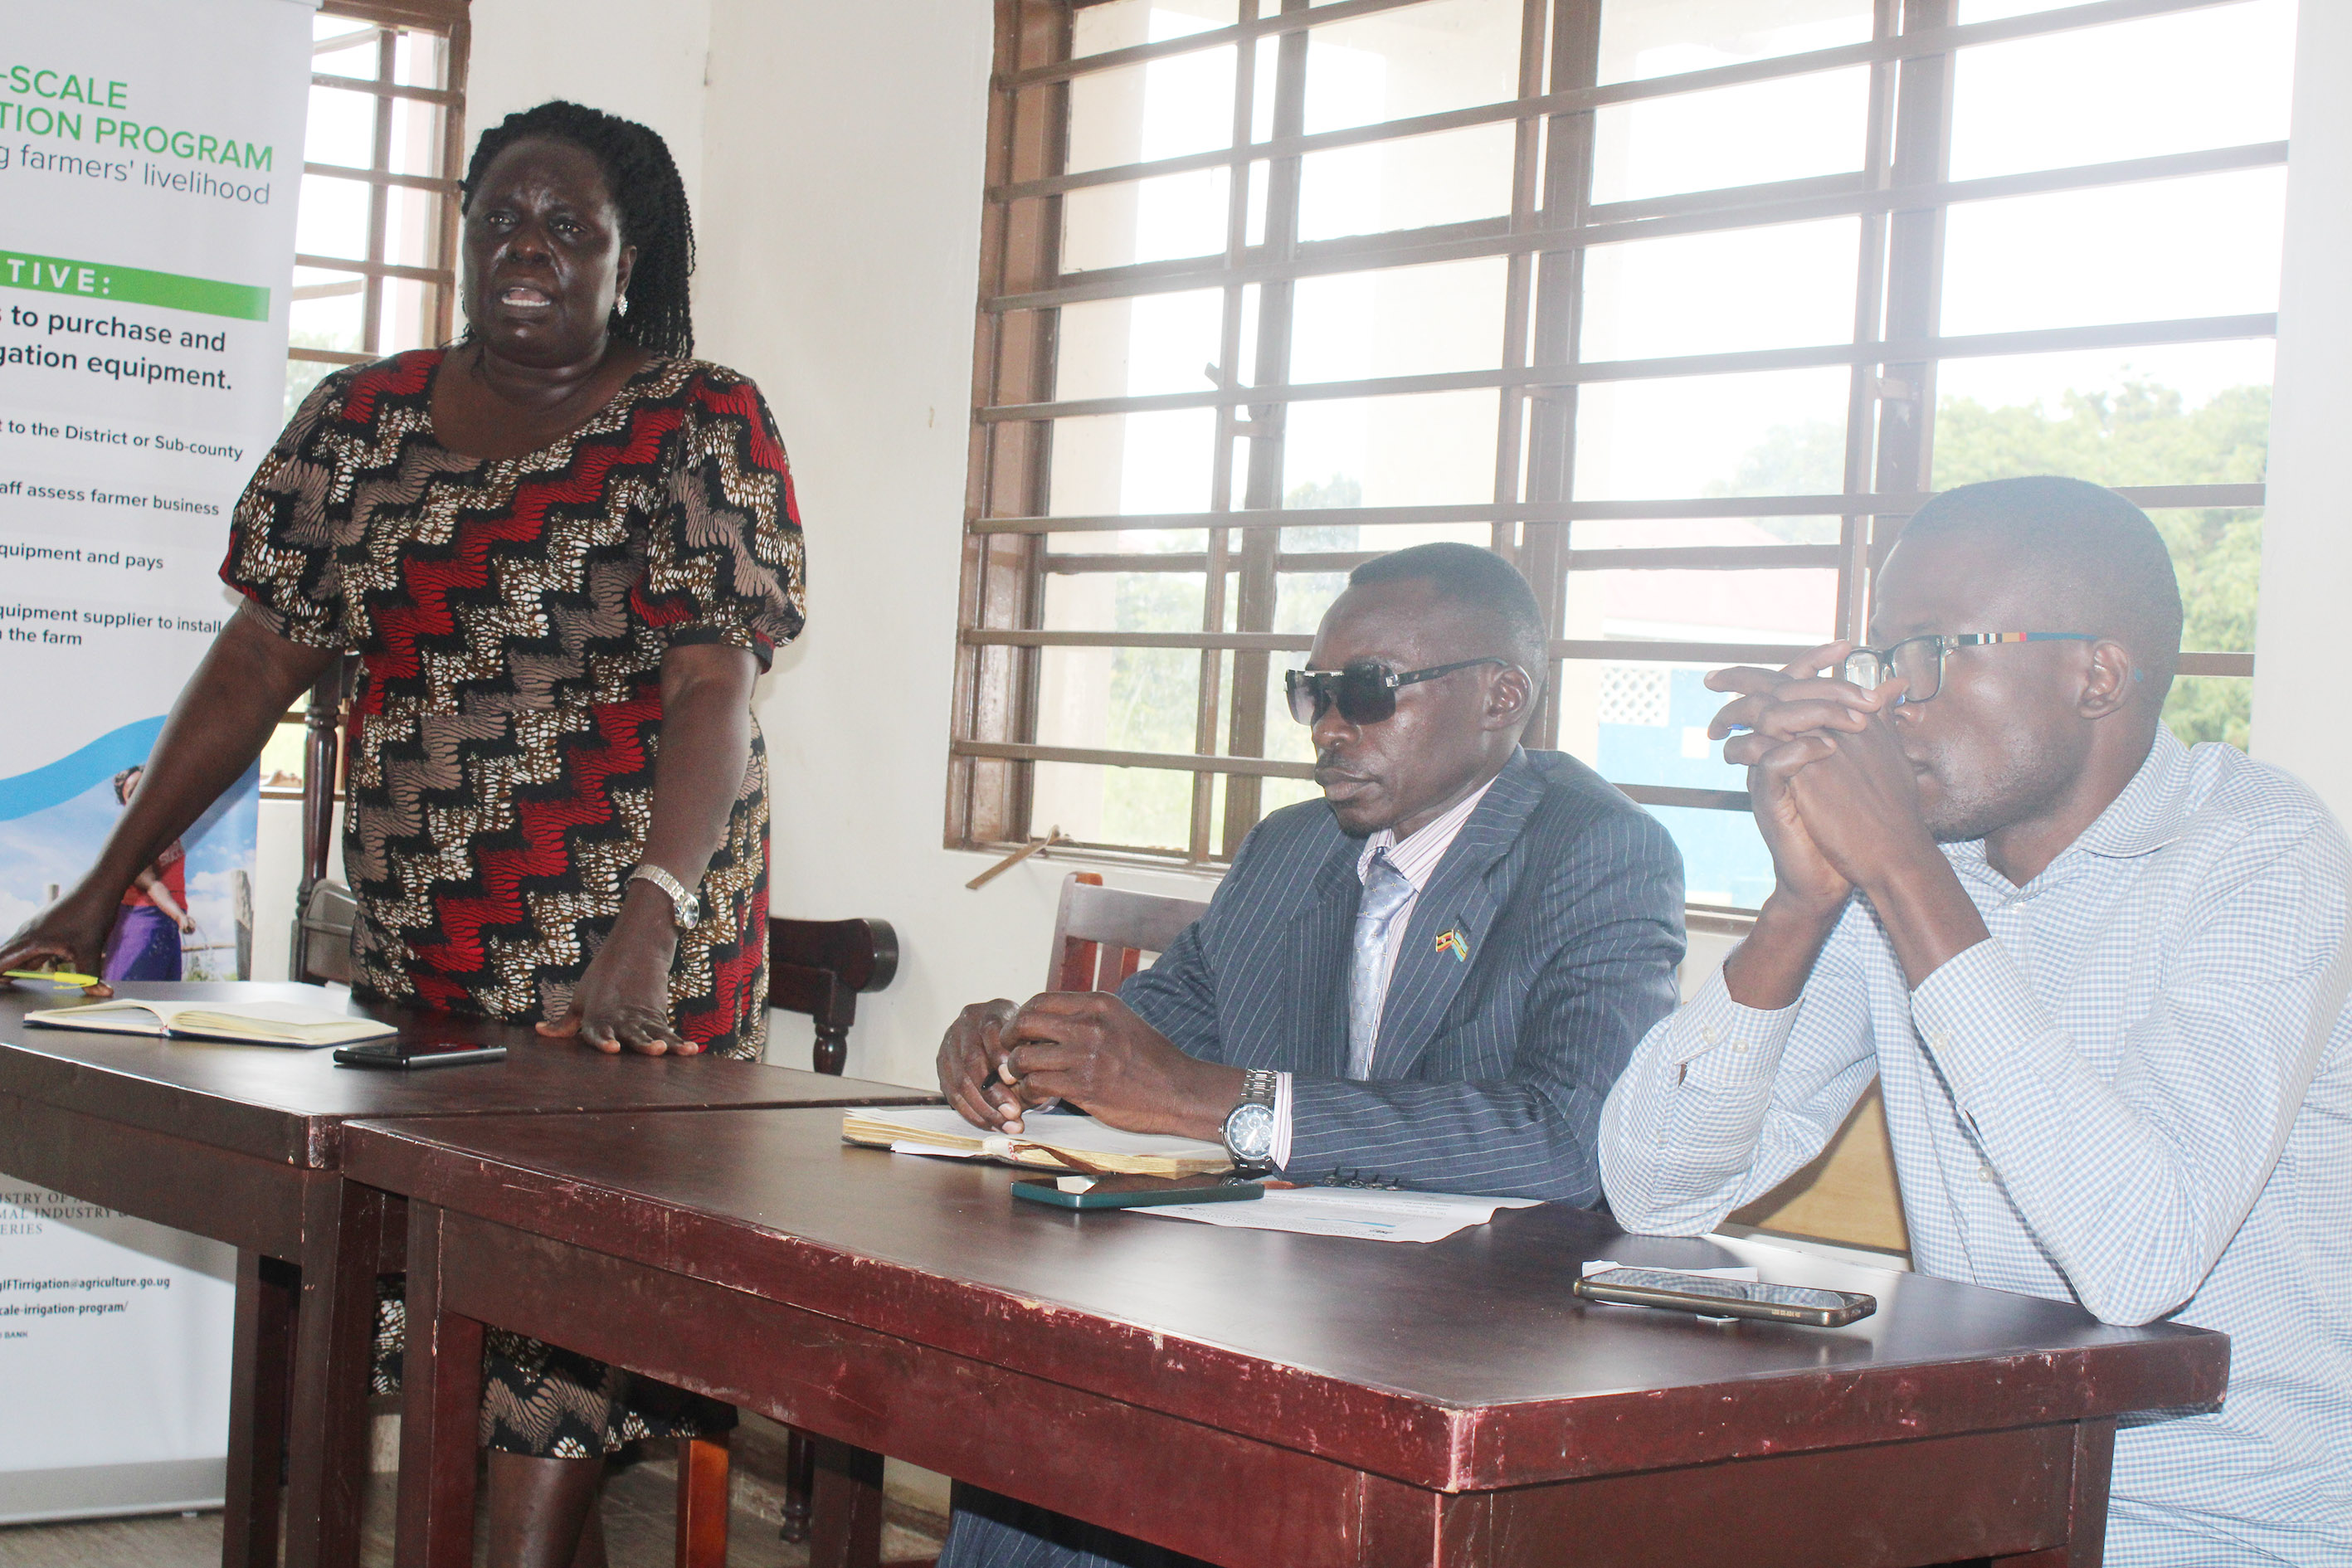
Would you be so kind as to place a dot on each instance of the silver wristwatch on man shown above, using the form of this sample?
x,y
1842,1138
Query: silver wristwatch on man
x,y
1249,1126
686,907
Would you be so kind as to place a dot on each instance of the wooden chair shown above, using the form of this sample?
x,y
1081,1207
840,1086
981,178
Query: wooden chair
x,y
322,952
818,967
1101,936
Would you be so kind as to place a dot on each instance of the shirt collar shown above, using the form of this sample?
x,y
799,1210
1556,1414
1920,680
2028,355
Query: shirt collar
x,y
2148,815
1417,857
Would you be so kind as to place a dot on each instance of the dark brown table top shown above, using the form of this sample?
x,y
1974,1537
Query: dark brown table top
x,y
289,1105
1460,1363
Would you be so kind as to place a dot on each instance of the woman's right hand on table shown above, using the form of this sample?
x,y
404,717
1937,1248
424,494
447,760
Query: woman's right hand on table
x,y
69,934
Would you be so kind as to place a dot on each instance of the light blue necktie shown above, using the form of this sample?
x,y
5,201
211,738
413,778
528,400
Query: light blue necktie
x,y
1386,892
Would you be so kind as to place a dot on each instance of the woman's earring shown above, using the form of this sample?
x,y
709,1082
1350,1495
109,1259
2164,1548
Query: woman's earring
x,y
620,306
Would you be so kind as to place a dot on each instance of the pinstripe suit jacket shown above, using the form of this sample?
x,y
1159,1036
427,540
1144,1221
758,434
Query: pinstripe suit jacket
x,y
1490,1072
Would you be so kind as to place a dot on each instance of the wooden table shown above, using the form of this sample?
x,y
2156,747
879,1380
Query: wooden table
x,y
1249,1397
243,1144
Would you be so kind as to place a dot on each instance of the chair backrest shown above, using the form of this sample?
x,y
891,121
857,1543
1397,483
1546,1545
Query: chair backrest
x,y
322,910
1848,1194
818,967
1102,935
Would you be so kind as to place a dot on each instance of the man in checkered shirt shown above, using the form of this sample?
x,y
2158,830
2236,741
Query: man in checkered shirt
x,y
2100,975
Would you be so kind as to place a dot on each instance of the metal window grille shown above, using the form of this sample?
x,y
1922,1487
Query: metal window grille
x,y
1033,538
376,270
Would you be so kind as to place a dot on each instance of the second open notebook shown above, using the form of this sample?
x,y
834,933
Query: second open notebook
x,y
1047,1141
241,1023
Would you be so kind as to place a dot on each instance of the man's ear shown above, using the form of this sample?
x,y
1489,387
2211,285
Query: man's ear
x,y
1510,697
2109,683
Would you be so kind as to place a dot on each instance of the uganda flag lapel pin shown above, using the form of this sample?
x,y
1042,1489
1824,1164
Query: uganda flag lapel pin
x,y
1451,941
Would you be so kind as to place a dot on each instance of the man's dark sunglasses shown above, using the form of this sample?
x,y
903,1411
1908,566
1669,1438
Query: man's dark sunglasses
x,y
1365,692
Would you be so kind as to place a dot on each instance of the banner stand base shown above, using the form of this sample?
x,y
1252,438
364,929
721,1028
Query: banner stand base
x,y
111,1492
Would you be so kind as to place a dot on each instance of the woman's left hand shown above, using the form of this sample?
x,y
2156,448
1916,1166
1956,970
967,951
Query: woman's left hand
x,y
623,999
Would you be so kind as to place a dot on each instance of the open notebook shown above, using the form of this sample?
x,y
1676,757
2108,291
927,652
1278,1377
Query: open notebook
x,y
247,1023
1055,1142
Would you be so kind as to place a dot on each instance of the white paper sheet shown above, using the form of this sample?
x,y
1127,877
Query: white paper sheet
x,y
1365,1214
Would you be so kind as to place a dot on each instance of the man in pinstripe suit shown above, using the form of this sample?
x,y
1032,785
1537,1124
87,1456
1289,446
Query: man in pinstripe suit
x,y
1432,976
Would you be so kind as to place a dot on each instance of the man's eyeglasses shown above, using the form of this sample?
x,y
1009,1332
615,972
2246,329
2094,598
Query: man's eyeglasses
x,y
1365,692
1920,660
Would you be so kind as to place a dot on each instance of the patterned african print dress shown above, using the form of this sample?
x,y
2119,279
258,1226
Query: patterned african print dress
x,y
512,615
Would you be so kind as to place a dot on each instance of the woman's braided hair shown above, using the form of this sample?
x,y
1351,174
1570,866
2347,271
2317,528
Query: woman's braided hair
x,y
651,197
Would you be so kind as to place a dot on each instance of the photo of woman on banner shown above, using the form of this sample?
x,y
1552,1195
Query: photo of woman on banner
x,y
153,913
563,549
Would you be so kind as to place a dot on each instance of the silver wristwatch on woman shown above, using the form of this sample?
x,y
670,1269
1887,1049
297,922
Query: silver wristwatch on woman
x,y
686,909
1249,1126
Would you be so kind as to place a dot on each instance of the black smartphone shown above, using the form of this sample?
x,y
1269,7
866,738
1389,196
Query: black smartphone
x,y
1135,1192
1725,1298
404,1054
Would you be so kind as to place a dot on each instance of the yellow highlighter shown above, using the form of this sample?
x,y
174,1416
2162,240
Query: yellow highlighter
x,y
58,977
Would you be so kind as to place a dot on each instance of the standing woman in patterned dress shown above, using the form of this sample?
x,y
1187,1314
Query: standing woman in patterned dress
x,y
564,550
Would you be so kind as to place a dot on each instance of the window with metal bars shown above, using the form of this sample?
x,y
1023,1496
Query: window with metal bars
x,y
377,236
1681,305
376,240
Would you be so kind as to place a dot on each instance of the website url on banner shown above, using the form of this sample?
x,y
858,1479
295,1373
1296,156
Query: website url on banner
x,y
133,286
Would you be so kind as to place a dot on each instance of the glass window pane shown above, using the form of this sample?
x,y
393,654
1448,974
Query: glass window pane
x,y
1703,532
301,376
1639,722
1756,434
2190,415
412,231
1130,463
1133,347
409,316
2216,77
2216,553
1417,60
1783,130
1795,608
1145,808
341,128
1428,449
1414,181
328,310
2208,245
1160,109
1645,39
421,59
1124,601
333,218
1782,286
1118,698
2210,708
1402,321
415,144
350,47
1123,23
1144,220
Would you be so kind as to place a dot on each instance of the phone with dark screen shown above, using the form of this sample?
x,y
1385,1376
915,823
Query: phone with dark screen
x,y
1725,1298
405,1054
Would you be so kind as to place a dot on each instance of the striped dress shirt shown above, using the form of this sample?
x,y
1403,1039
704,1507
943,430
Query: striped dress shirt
x,y
2137,1096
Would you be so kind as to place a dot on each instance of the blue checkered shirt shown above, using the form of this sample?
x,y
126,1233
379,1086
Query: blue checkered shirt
x,y
2137,1096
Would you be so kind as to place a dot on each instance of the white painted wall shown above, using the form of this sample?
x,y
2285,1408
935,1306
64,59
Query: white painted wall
x,y
642,59
2307,547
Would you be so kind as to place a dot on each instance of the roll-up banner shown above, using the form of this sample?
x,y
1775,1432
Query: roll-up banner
x,y
151,159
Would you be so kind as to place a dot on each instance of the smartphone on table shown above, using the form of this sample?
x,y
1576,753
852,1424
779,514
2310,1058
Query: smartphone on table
x,y
1135,1192
405,1054
1709,1298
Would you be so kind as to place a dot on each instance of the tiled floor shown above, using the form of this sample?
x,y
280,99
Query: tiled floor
x,y
640,1521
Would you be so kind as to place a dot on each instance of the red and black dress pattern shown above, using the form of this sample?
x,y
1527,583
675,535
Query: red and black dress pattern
x,y
512,615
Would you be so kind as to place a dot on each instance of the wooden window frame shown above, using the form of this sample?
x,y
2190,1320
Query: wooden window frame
x,y
1901,195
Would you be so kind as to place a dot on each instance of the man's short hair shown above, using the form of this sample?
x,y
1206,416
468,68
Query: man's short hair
x,y
2099,556
1477,579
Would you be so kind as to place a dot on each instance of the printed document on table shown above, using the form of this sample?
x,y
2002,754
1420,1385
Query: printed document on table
x,y
1365,1214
